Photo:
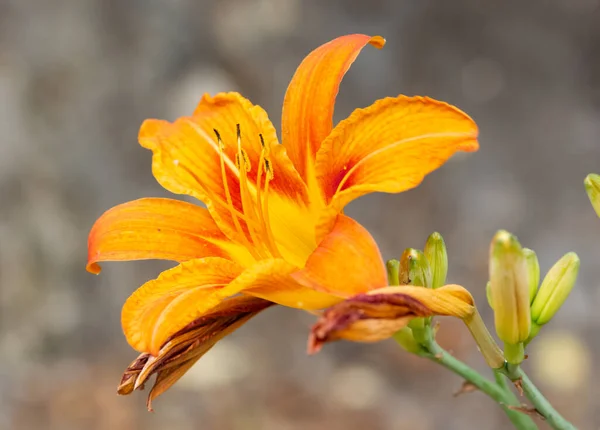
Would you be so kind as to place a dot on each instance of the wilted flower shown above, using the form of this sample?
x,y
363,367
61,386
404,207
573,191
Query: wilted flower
x,y
184,348
380,313
273,227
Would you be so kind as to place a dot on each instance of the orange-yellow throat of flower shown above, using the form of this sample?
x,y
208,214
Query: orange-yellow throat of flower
x,y
258,238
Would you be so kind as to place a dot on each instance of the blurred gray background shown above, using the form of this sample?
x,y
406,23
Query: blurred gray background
x,y
78,77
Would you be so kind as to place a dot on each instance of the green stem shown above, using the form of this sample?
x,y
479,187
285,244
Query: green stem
x,y
519,420
503,397
541,404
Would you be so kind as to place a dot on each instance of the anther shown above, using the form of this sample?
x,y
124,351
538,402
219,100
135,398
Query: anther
x,y
220,142
268,169
266,150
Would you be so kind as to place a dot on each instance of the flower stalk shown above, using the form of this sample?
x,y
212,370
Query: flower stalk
x,y
540,403
499,393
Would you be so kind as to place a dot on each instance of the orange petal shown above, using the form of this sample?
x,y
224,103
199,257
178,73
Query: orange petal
x,y
307,116
346,262
390,147
156,229
272,280
186,156
165,305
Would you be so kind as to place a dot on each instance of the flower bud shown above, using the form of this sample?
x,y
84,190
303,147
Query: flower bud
x,y
393,271
405,338
488,294
509,289
437,256
415,269
555,288
592,187
533,272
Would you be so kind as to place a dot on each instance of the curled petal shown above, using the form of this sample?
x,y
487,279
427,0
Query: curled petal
x,y
390,147
155,228
307,116
184,348
165,305
380,313
346,262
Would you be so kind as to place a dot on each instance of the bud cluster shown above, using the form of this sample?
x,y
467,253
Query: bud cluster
x,y
428,269
520,308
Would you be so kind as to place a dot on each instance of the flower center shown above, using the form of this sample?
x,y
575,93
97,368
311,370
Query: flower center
x,y
258,235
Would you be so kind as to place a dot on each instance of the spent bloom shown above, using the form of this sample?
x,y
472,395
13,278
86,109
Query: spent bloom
x,y
272,231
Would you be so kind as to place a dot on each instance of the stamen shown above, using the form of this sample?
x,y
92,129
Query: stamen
x,y
219,140
262,196
248,205
268,169
265,210
230,206
241,151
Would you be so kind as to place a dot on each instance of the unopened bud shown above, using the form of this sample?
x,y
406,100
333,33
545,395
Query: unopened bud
x,y
406,340
393,272
414,269
533,272
437,256
555,288
488,294
592,187
509,288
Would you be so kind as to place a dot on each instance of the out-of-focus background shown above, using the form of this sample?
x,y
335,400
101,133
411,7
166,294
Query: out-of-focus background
x,y
78,77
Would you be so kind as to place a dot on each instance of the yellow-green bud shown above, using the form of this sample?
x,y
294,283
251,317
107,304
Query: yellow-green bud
x,y
509,288
488,294
393,271
533,272
406,340
437,256
555,288
592,187
414,268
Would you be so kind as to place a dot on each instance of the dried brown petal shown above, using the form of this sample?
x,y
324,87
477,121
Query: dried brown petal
x,y
186,347
365,318
378,314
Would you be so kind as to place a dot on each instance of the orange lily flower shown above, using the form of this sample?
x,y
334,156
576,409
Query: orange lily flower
x,y
272,229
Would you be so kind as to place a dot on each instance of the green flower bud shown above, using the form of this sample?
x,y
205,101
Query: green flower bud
x,y
437,256
488,294
533,272
406,340
415,269
592,187
393,271
509,289
555,288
